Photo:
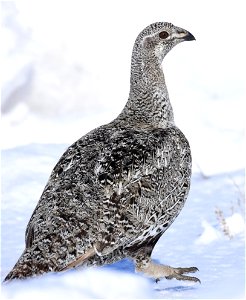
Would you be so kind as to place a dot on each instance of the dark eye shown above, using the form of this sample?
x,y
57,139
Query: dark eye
x,y
163,35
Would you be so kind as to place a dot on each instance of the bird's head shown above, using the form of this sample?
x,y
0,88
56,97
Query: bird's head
x,y
159,38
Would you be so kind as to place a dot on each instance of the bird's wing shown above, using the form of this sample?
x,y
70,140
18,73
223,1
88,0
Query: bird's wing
x,y
126,172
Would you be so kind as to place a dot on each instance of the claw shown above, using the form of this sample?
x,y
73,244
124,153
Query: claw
x,y
197,280
193,269
186,270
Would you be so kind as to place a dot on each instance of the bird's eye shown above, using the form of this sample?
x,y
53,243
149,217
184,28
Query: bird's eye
x,y
163,35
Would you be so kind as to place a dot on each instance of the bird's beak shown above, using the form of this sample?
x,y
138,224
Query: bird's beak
x,y
189,37
183,35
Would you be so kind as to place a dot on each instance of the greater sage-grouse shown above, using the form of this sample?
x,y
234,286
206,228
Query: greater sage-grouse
x,y
116,190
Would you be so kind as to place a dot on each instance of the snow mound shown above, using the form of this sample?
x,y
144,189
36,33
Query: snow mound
x,y
209,234
232,226
235,224
76,284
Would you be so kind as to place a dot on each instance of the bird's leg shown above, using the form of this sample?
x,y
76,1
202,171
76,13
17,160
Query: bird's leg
x,y
158,271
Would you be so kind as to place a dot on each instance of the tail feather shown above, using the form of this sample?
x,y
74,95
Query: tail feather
x,y
28,266
20,271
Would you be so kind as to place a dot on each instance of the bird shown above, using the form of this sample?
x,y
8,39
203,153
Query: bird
x,y
116,190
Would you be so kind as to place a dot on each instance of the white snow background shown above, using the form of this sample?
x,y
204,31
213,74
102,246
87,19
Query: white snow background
x,y
65,70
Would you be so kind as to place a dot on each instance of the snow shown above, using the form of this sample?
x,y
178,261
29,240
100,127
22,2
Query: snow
x,y
235,224
209,234
81,285
59,80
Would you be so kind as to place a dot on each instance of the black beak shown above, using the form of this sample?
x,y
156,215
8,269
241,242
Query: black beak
x,y
189,37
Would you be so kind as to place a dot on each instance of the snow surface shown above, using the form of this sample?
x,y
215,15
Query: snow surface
x,y
64,76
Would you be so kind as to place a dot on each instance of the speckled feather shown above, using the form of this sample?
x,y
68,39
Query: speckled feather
x,y
118,188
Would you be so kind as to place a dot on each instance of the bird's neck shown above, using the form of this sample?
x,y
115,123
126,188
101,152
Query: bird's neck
x,y
148,103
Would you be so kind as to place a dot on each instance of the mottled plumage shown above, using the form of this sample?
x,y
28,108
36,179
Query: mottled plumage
x,y
116,190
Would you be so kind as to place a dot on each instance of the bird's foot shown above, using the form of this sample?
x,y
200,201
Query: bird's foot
x,y
161,271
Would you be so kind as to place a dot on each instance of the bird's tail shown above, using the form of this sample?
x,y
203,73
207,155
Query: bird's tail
x,y
19,271
28,266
